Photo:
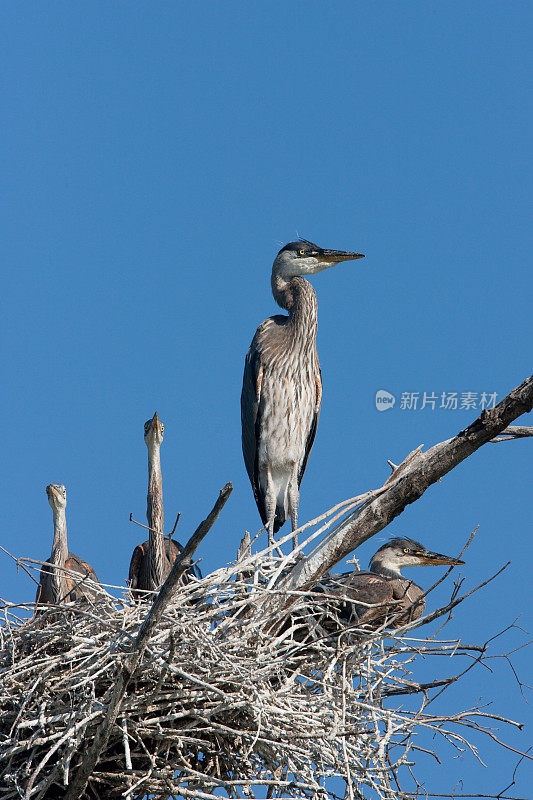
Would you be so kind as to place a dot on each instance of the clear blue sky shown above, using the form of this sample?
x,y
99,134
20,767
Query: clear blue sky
x,y
156,156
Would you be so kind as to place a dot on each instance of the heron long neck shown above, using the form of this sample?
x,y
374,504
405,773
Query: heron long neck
x,y
299,298
381,567
155,517
59,554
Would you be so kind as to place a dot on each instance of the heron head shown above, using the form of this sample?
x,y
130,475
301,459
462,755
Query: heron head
x,y
57,495
153,431
306,258
403,552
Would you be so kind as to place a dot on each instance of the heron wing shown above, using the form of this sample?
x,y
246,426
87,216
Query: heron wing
x,y
135,564
312,429
44,594
359,590
77,564
250,419
411,598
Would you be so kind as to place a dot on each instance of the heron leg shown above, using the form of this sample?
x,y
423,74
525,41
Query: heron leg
x,y
270,508
294,501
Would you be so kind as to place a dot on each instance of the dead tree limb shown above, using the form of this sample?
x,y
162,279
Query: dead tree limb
x,y
514,432
126,670
182,563
405,485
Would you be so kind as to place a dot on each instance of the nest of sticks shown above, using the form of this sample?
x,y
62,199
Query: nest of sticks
x,y
233,692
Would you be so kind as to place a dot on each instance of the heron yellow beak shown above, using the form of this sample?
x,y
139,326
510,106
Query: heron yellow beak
x,y
435,559
337,256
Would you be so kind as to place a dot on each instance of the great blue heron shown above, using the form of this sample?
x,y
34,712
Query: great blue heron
x,y
282,389
55,586
383,593
152,560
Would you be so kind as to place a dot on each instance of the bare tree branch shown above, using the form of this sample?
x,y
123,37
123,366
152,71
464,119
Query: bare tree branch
x,y
182,563
148,528
128,667
514,432
405,485
20,564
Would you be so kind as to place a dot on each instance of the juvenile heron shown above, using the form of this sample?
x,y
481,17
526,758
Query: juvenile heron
x,y
282,389
152,560
55,586
371,597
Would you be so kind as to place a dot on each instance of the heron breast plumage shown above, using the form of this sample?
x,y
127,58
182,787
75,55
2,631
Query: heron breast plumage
x,y
287,407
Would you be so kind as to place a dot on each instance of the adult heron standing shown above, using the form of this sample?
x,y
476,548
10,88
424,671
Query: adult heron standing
x,y
56,585
282,388
152,560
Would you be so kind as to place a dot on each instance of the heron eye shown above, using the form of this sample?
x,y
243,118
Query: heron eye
x,y
405,549
162,428
302,252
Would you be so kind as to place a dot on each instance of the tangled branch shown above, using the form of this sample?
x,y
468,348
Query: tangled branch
x,y
217,702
